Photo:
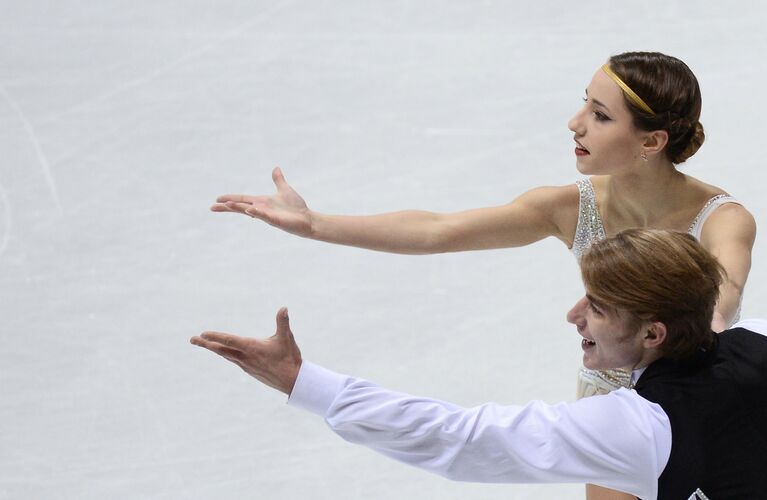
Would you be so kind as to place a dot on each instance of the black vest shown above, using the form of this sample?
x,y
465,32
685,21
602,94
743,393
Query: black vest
x,y
717,406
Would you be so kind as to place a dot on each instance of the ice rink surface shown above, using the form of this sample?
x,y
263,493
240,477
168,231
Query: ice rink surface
x,y
121,121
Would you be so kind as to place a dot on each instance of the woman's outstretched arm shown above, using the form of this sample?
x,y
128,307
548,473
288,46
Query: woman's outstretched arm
x,y
533,216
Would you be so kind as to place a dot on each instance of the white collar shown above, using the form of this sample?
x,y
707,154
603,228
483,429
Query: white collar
x,y
636,374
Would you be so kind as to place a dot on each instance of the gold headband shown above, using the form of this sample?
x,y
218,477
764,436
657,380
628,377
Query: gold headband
x,y
632,95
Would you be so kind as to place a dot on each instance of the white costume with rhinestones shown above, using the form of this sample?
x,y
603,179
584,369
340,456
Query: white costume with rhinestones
x,y
589,230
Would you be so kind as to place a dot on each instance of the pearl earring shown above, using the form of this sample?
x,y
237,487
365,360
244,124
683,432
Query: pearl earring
x,y
644,156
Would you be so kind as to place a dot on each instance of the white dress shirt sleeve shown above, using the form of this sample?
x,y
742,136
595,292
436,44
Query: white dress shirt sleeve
x,y
756,325
619,440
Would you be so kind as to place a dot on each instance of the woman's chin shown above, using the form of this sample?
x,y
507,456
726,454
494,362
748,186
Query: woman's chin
x,y
583,167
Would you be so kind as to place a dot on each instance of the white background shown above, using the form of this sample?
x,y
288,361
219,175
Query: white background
x,y
121,121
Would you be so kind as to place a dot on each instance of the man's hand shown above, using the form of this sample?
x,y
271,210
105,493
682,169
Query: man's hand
x,y
274,361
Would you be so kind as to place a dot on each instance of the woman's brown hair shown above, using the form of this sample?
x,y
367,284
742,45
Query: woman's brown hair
x,y
657,275
671,90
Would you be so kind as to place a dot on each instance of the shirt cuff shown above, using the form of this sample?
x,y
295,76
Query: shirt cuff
x,y
316,388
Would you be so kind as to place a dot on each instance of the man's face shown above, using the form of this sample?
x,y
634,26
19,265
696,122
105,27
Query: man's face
x,y
608,339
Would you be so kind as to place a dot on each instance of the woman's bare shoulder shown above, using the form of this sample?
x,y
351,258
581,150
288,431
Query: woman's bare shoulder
x,y
729,222
553,199
703,189
560,203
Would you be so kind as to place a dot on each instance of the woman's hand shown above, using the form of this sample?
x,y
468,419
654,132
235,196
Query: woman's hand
x,y
285,209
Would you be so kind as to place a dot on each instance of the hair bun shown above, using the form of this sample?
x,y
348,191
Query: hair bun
x,y
690,137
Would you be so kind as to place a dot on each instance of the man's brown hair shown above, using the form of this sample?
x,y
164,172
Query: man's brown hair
x,y
657,275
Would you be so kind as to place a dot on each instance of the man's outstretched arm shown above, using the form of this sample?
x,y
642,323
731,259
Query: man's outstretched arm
x,y
619,440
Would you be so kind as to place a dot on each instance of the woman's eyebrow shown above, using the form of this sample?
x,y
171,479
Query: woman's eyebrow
x,y
597,102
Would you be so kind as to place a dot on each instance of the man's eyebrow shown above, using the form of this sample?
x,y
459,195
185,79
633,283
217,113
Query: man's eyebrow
x,y
595,302
597,102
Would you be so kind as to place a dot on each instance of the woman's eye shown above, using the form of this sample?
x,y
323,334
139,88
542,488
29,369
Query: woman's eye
x,y
601,117
594,309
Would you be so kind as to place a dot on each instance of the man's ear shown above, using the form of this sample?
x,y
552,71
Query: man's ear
x,y
655,141
654,335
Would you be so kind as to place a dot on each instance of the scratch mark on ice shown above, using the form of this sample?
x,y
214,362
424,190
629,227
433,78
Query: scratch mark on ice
x,y
30,130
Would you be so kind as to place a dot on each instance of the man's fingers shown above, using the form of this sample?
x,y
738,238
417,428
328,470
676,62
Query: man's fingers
x,y
226,340
283,323
222,350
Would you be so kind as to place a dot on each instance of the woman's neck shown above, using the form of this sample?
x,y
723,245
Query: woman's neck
x,y
645,196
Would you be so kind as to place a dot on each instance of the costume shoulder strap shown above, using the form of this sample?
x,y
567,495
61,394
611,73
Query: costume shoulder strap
x,y
590,227
696,228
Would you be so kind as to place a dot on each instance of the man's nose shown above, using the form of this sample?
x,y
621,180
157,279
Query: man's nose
x,y
575,315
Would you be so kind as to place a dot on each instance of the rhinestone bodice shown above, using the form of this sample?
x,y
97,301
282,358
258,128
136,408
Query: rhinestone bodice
x,y
590,228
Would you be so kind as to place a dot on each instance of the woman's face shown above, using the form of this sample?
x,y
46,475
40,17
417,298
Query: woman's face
x,y
606,140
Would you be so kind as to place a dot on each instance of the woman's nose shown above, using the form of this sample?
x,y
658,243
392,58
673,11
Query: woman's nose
x,y
576,122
